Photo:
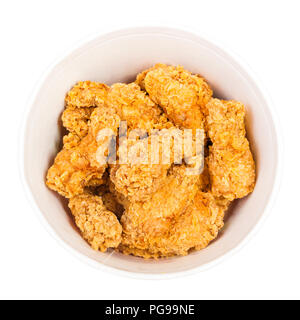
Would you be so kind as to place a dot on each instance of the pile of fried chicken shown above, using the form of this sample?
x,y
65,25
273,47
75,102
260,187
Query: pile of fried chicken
x,y
151,210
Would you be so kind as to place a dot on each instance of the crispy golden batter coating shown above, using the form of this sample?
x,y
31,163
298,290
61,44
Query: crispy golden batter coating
x,y
99,227
135,107
146,223
137,182
232,172
71,140
200,223
87,94
195,228
179,93
81,101
177,218
77,166
231,165
76,120
204,177
140,78
71,172
225,123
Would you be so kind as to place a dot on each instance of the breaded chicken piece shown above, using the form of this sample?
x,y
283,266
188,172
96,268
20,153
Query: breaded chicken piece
x,y
195,228
87,94
71,172
81,101
73,169
140,78
76,166
146,223
199,224
135,107
138,181
231,165
179,93
226,123
232,172
98,226
76,120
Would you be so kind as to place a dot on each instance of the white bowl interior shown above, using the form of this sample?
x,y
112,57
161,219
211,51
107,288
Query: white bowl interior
x,y
118,57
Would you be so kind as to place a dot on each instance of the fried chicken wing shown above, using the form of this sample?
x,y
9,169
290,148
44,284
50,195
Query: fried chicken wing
x,y
195,228
77,165
197,225
179,93
99,227
231,165
146,223
71,173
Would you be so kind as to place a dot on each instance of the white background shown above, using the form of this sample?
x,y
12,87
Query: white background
x,y
34,33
